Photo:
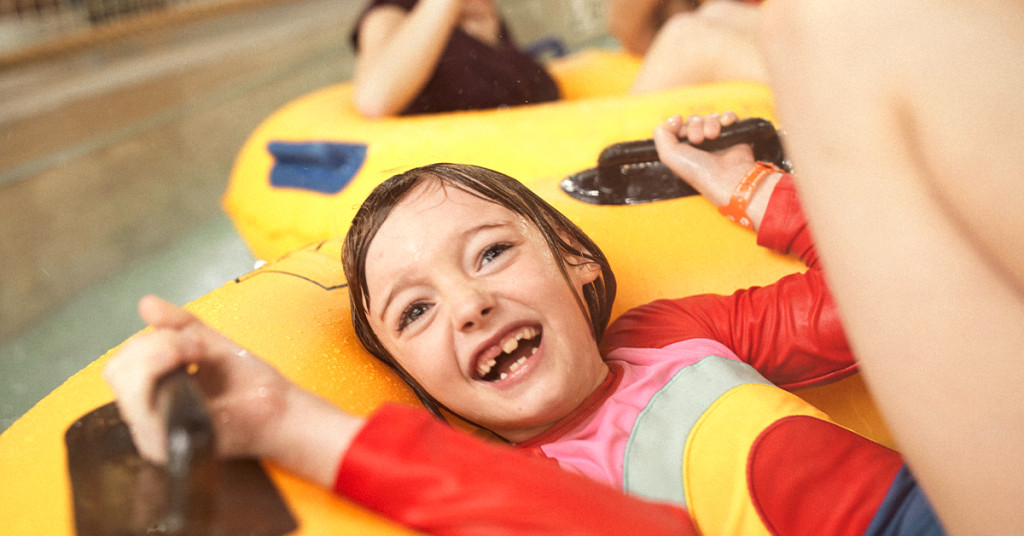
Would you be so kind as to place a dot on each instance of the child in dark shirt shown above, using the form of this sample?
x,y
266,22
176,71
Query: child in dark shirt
x,y
427,56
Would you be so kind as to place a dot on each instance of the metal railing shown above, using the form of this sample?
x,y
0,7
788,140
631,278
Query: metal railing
x,y
32,30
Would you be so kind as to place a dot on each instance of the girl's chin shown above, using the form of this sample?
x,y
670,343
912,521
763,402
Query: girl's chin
x,y
529,422
520,432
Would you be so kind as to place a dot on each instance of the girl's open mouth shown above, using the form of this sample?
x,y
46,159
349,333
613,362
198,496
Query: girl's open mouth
x,y
516,348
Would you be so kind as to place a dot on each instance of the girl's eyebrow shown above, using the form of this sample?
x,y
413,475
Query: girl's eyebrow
x,y
403,281
398,284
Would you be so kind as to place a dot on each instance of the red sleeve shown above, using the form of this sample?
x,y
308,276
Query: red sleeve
x,y
423,474
784,226
789,331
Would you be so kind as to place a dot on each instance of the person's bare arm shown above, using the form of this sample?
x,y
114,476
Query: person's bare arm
x,y
717,41
906,121
634,23
398,53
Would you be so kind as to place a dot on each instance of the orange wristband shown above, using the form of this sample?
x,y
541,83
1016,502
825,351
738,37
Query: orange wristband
x,y
736,210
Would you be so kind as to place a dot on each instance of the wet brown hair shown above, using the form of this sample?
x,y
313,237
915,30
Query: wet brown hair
x,y
564,238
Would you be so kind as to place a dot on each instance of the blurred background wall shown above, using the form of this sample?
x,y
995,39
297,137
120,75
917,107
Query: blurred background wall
x,y
119,124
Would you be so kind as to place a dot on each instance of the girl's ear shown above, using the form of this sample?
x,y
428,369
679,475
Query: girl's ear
x,y
582,270
585,272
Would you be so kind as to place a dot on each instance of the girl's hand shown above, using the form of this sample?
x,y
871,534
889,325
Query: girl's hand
x,y
714,174
255,410
242,392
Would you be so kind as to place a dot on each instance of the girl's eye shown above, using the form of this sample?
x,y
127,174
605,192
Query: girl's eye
x,y
493,252
411,313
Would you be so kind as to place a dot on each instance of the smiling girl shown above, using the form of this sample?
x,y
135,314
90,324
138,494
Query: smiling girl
x,y
486,324
493,306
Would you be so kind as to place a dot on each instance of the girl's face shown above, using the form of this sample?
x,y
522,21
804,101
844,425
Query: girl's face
x,y
467,297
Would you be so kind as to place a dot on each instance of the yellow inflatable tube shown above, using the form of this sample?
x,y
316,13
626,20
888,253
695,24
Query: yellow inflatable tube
x,y
548,140
294,311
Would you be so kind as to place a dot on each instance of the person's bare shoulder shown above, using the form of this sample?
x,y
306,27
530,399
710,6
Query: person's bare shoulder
x,y
936,84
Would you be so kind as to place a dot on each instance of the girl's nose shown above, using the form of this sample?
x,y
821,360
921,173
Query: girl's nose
x,y
472,308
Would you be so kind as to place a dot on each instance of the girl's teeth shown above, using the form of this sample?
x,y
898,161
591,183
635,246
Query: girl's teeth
x,y
484,368
509,345
519,362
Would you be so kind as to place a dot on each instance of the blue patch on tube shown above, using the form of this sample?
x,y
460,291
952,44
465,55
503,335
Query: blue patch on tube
x,y
323,167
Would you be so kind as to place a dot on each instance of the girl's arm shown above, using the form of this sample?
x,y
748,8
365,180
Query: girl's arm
x,y
398,52
790,330
426,475
400,462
